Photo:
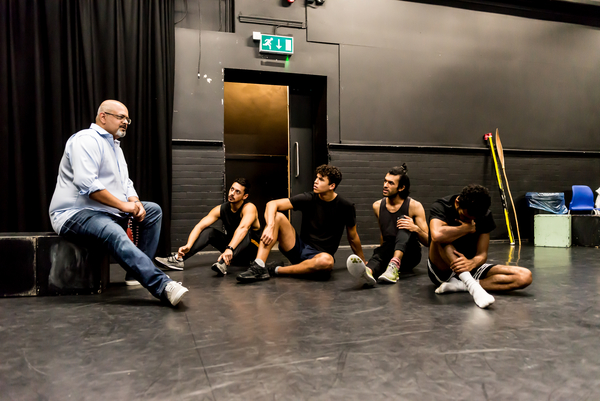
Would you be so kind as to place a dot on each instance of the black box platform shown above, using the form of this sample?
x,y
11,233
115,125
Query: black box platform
x,y
585,230
34,264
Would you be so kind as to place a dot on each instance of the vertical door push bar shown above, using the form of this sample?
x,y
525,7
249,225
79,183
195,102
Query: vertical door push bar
x,y
297,159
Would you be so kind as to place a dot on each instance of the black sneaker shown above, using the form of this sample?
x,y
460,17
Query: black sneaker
x,y
272,266
254,273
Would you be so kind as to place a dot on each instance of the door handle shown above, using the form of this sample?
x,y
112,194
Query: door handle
x,y
297,159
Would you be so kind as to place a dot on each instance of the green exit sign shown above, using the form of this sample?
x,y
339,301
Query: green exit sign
x,y
276,44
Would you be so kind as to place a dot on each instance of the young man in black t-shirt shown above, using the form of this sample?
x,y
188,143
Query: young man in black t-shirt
x,y
238,244
459,227
325,214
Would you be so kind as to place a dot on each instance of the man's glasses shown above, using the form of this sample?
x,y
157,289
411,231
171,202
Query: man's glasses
x,y
119,117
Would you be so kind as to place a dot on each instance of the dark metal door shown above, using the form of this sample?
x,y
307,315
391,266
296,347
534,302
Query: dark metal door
x,y
301,149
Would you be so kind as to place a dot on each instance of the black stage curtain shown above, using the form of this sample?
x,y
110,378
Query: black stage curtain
x,y
59,59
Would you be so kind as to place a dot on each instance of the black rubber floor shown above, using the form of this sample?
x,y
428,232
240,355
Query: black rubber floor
x,y
296,339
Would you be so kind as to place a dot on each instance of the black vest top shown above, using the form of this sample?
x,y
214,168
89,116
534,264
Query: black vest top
x,y
387,220
231,221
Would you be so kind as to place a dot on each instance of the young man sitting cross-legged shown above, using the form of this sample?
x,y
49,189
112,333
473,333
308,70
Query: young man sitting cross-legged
x,y
237,245
459,226
324,216
403,226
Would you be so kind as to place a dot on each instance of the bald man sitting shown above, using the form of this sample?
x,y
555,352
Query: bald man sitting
x,y
94,198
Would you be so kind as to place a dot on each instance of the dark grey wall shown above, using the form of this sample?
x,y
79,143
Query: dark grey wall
x,y
187,14
406,73
424,74
198,173
198,102
435,174
409,73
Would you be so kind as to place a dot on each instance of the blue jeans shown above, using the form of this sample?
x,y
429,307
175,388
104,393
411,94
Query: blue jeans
x,y
111,230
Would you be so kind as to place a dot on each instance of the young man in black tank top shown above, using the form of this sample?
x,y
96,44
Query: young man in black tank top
x,y
460,227
325,214
403,228
240,241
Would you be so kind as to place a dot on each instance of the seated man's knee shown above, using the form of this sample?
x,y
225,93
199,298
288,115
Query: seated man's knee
x,y
279,217
524,277
154,208
211,233
323,262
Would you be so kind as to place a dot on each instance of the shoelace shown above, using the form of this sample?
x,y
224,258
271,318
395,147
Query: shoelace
x,y
172,284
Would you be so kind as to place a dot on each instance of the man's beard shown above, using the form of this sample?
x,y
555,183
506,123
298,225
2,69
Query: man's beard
x,y
394,195
121,133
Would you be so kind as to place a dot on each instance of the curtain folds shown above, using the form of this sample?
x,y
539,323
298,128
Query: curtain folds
x,y
59,59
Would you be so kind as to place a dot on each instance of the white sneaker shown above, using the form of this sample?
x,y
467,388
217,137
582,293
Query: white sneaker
x,y
357,268
220,267
390,276
131,281
174,291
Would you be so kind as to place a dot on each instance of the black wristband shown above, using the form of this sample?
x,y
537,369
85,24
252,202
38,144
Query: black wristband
x,y
230,247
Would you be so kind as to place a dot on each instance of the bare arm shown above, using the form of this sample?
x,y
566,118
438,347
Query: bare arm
x,y
274,206
419,225
354,241
106,198
443,233
248,214
209,219
462,264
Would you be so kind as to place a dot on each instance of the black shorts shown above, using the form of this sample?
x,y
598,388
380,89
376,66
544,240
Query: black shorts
x,y
300,252
438,276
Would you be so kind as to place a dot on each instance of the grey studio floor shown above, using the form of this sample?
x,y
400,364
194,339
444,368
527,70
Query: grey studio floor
x,y
294,339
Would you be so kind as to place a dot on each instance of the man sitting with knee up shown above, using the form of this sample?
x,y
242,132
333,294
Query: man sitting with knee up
x,y
403,228
95,198
459,226
239,243
324,216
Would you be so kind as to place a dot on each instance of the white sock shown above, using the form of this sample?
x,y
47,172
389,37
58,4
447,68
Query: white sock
x,y
259,262
277,269
452,285
480,296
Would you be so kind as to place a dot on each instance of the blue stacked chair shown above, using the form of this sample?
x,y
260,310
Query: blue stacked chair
x,y
583,199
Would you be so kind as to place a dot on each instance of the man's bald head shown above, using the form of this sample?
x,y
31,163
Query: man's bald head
x,y
108,117
110,106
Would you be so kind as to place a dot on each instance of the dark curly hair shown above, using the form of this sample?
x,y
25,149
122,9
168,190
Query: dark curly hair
x,y
475,199
333,174
404,181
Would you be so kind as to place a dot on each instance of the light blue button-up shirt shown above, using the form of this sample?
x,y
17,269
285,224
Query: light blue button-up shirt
x,y
93,161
